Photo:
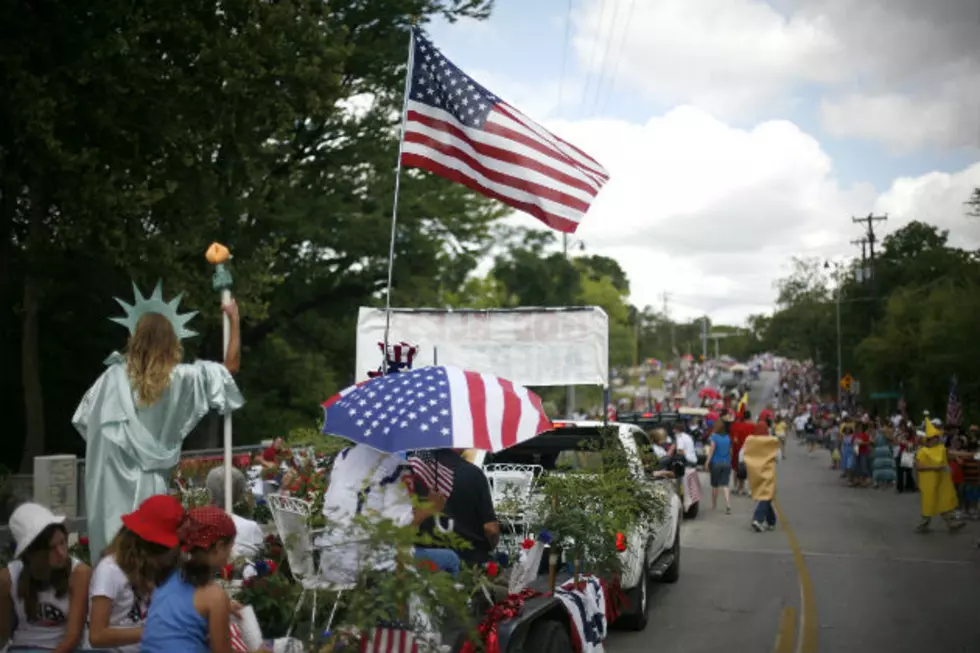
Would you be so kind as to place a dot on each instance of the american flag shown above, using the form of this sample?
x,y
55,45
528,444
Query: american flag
x,y
389,640
434,475
237,641
440,407
954,416
459,130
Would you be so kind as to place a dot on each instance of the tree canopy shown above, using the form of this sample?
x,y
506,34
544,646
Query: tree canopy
x,y
908,329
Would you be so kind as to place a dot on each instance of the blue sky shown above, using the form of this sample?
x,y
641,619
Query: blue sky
x,y
891,117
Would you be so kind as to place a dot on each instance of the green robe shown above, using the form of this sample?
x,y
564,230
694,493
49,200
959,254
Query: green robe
x,y
130,451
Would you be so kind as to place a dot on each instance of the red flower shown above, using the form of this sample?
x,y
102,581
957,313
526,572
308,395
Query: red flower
x,y
428,565
527,544
227,572
83,540
493,569
621,545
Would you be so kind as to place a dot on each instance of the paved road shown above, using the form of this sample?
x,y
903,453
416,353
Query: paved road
x,y
844,573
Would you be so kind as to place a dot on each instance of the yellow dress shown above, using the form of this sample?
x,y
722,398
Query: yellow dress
x,y
935,488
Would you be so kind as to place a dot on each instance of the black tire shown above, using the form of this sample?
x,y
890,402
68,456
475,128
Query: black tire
x,y
639,598
692,512
673,573
548,636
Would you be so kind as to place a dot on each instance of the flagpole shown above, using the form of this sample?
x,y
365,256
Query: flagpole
x,y
398,183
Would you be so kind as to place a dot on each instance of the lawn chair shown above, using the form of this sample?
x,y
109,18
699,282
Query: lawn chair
x,y
292,516
511,487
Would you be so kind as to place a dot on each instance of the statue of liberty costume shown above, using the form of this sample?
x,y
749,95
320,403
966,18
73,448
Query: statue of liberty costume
x,y
130,449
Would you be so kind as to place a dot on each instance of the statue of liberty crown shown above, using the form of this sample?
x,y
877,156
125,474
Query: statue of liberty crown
x,y
155,304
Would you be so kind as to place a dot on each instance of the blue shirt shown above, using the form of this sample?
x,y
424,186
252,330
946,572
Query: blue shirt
x,y
172,623
723,450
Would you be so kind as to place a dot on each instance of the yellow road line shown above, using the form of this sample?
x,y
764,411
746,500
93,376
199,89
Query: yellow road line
x,y
807,640
787,631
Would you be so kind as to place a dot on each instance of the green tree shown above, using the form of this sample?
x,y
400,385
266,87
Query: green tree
x,y
131,138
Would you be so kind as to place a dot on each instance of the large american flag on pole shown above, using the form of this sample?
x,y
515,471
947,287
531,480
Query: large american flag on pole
x,y
459,130
954,416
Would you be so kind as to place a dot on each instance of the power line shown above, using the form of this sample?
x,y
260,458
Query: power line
x,y
564,51
619,53
595,49
605,55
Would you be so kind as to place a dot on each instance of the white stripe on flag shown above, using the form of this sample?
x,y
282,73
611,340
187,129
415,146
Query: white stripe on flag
x,y
529,415
494,414
462,436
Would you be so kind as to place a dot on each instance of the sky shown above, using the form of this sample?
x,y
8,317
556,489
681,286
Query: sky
x,y
739,134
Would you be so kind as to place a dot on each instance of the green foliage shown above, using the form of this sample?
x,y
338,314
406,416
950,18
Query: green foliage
x,y
133,138
585,508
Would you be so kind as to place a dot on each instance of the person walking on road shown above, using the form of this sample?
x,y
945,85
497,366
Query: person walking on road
x,y
760,461
935,482
720,466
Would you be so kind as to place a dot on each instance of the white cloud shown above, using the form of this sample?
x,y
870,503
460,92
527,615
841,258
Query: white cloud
x,y
937,198
902,72
713,214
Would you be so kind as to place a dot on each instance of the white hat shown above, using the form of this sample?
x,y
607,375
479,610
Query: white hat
x,y
27,522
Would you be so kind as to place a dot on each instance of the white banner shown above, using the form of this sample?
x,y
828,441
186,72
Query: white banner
x,y
532,347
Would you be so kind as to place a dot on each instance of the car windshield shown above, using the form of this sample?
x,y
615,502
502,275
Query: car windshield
x,y
565,448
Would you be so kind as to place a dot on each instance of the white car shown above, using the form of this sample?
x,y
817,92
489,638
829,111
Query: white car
x,y
513,472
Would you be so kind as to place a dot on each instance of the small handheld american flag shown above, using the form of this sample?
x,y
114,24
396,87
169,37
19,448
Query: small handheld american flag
x,y
433,474
459,130
954,416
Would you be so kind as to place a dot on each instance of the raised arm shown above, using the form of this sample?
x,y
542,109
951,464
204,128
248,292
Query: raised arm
x,y
233,357
6,608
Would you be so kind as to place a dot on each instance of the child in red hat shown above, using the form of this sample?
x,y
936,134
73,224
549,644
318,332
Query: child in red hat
x,y
141,555
190,610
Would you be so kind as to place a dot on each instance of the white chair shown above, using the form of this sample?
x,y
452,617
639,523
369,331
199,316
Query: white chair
x,y
292,519
511,488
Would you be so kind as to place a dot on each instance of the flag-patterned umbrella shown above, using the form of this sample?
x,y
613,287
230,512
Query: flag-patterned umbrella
x,y
436,408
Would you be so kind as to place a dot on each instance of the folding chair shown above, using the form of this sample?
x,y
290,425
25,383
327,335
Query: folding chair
x,y
292,516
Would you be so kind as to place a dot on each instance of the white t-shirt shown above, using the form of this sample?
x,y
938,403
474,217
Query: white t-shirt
x,y
685,445
128,610
367,482
249,538
47,628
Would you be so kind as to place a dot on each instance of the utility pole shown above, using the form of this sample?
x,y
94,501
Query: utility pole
x,y
666,297
863,242
704,337
870,222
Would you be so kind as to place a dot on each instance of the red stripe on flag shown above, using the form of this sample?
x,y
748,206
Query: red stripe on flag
x,y
499,153
550,139
544,424
538,190
512,415
478,410
556,222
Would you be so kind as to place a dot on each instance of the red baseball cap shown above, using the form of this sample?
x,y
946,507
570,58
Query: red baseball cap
x,y
157,520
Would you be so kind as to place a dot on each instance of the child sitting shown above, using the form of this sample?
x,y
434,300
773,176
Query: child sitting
x,y
142,554
190,611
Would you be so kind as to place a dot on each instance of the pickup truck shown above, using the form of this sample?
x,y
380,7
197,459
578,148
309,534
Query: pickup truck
x,y
543,625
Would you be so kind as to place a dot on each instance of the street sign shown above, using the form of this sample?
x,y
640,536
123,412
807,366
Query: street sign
x,y
886,395
846,381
